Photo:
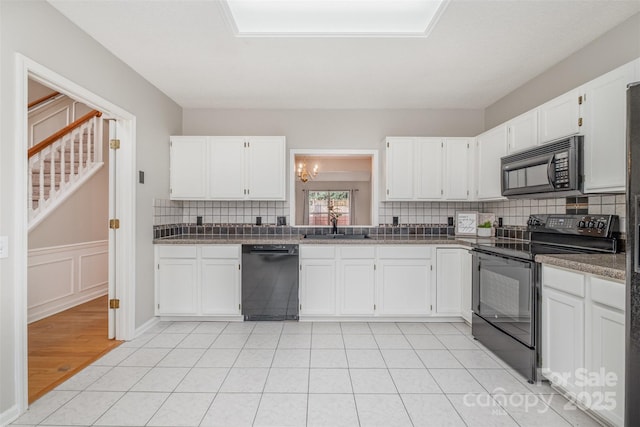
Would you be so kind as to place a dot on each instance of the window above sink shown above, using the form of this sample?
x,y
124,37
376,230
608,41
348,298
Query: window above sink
x,y
346,184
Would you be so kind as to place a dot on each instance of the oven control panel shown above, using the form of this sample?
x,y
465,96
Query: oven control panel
x,y
585,225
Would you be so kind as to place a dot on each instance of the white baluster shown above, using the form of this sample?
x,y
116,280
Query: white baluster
x,y
30,187
72,163
63,143
52,173
41,184
80,151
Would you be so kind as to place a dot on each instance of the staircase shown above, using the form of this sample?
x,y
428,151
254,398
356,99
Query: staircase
x,y
61,163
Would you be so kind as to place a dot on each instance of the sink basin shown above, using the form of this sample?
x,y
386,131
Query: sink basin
x,y
336,236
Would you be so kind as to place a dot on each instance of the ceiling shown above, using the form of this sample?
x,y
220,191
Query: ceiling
x,y
478,52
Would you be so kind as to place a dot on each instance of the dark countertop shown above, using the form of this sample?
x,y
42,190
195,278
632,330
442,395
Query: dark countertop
x,y
280,240
612,266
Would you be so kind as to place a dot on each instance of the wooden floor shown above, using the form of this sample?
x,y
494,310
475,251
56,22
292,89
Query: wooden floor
x,y
63,344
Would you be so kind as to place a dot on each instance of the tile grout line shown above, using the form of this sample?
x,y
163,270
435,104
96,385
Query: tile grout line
x,y
353,391
391,376
264,386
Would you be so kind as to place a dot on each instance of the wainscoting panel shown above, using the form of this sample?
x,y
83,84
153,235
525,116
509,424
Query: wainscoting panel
x,y
62,277
94,270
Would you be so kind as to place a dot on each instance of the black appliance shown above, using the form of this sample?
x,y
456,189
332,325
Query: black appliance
x,y
632,309
270,282
506,282
552,170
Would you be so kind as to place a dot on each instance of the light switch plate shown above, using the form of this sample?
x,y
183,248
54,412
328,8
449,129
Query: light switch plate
x,y
4,246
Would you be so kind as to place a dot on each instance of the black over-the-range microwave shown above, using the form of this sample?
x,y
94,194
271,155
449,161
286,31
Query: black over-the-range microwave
x,y
551,170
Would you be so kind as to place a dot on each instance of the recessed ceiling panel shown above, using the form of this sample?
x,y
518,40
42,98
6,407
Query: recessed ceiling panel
x,y
333,17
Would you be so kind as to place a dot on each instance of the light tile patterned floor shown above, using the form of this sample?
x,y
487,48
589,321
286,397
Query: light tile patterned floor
x,y
282,374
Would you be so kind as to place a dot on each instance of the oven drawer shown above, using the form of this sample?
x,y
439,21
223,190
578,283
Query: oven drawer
x,y
563,280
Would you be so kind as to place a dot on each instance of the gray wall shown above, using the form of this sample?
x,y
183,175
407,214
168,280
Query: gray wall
x,y
613,49
72,53
361,129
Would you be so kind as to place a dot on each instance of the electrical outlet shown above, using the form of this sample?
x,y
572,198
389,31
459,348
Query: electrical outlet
x,y
4,246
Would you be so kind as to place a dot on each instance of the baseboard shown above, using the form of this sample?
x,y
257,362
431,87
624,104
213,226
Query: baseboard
x,y
372,319
9,416
35,314
237,318
145,327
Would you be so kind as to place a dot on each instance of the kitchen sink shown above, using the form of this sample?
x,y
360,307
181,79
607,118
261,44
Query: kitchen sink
x,y
336,236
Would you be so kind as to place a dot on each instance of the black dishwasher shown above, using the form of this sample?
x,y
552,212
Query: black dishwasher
x,y
270,282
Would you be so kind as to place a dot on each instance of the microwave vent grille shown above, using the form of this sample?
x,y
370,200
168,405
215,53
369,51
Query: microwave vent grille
x,y
544,149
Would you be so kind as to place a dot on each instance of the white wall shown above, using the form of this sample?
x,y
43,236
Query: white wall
x,y
611,50
73,54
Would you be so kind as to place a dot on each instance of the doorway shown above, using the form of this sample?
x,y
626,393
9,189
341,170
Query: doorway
x,y
121,206
67,302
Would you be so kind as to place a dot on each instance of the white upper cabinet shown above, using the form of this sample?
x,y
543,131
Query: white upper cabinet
x,y
522,131
491,146
604,113
188,167
429,177
428,168
400,168
228,168
457,164
559,117
266,168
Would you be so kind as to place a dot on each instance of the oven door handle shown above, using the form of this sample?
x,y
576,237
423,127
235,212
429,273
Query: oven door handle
x,y
503,259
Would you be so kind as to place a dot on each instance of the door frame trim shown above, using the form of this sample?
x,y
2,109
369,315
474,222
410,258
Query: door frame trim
x,y
121,251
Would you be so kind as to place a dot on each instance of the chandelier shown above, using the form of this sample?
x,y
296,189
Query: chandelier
x,y
304,174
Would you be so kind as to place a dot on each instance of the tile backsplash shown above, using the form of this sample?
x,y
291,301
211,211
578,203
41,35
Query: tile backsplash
x,y
516,212
513,212
218,212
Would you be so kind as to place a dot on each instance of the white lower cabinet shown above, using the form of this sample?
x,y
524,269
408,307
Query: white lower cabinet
x,y
583,333
449,281
195,280
606,348
356,280
365,280
404,280
317,280
176,280
562,338
220,283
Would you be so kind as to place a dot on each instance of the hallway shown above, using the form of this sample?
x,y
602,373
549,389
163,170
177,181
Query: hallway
x,y
62,344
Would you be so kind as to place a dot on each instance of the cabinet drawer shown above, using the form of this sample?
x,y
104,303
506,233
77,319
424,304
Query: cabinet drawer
x,y
608,293
404,252
357,252
317,251
221,251
563,280
177,251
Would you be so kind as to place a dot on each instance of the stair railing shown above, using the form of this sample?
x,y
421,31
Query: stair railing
x,y
61,160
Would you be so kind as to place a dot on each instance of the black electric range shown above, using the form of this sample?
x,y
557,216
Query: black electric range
x,y
506,282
